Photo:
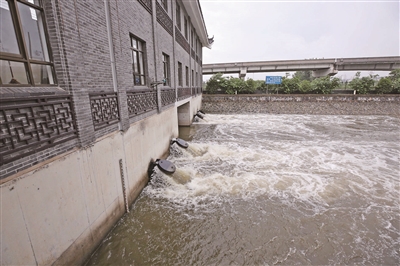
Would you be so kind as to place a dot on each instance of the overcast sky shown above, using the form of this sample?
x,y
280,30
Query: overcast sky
x,y
258,30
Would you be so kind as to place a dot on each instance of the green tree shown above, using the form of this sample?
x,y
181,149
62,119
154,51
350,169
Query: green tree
x,y
290,85
362,85
324,85
394,75
305,86
235,85
216,83
260,85
251,86
385,85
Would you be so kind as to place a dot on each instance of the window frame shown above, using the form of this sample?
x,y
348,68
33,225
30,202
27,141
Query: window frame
x,y
192,38
186,28
180,80
141,65
187,76
24,56
166,69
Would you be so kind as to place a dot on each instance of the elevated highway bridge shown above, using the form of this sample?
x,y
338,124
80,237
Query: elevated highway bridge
x,y
319,67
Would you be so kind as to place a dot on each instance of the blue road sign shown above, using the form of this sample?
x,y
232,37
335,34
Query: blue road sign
x,y
273,80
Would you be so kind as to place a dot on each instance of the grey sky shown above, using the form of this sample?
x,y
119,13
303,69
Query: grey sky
x,y
283,30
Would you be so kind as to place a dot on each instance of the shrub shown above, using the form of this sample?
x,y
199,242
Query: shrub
x,y
324,85
216,83
385,85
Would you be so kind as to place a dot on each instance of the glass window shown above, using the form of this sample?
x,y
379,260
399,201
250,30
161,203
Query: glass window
x,y
9,44
13,73
24,52
32,25
186,28
178,16
180,83
138,58
42,74
192,77
166,69
187,76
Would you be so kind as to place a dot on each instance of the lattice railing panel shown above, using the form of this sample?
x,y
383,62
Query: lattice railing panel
x,y
181,40
184,93
141,102
193,54
164,19
167,96
147,5
104,108
29,125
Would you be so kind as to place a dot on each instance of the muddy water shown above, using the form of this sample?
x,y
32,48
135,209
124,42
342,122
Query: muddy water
x,y
267,190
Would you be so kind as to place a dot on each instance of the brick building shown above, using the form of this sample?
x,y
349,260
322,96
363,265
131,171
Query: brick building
x,y
88,84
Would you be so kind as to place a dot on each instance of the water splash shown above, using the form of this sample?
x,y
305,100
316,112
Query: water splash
x,y
271,189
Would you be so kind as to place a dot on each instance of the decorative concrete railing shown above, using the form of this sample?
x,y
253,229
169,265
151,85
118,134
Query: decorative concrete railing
x,y
184,93
104,107
167,96
147,5
164,19
141,101
32,124
179,38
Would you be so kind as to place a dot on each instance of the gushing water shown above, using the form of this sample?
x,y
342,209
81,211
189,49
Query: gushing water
x,y
267,190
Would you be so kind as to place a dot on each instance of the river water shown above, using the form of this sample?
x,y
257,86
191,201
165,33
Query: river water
x,y
269,189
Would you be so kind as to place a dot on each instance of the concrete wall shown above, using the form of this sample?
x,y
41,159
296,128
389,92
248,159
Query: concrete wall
x,y
187,108
303,104
58,211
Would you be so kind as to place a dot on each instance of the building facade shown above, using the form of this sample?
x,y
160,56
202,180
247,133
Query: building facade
x,y
90,93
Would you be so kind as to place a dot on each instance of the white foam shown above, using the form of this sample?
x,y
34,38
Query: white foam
x,y
311,159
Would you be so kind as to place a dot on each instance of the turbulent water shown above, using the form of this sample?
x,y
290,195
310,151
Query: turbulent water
x,y
267,190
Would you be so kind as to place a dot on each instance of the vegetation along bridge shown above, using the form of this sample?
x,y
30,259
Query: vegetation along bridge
x,y
319,67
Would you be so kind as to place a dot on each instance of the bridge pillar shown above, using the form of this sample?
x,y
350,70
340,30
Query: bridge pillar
x,y
242,73
331,71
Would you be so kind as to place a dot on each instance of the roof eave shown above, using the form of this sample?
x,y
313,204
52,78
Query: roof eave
x,y
194,11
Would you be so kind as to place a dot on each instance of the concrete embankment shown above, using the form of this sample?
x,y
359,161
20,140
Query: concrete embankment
x,y
303,104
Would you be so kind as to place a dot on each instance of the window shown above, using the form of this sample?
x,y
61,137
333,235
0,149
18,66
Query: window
x,y
165,4
192,39
192,77
186,28
24,54
197,79
165,58
187,76
139,73
178,17
180,83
